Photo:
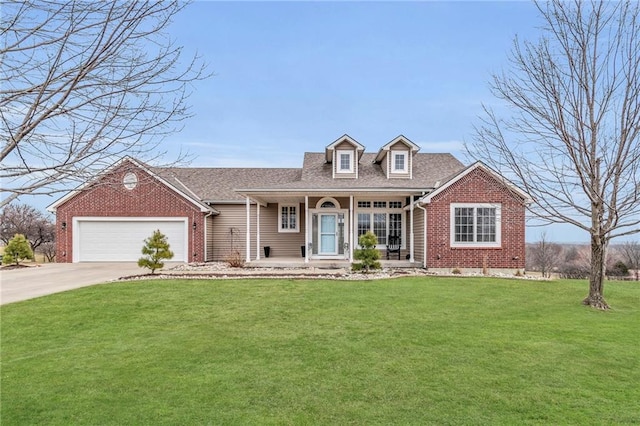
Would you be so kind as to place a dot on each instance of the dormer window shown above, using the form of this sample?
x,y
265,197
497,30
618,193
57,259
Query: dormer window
x,y
345,161
399,161
344,155
396,158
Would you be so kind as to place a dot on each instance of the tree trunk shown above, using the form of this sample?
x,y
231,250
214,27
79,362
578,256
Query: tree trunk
x,y
595,298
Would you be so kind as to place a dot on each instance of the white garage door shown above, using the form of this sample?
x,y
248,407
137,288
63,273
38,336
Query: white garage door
x,y
121,239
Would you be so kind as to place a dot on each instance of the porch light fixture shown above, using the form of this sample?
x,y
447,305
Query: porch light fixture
x,y
64,225
195,225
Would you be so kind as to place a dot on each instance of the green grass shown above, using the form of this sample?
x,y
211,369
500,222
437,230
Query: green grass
x,y
403,351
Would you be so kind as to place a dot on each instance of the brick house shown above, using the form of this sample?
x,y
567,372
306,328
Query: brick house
x,y
438,213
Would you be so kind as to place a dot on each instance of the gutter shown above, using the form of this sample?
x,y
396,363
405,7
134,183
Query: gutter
x,y
303,191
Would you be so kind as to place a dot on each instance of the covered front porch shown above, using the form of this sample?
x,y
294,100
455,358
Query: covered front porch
x,y
321,229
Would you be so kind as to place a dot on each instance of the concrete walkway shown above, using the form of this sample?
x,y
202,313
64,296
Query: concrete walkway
x,y
49,278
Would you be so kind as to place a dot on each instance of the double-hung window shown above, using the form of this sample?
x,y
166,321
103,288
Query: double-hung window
x,y
288,218
475,225
345,161
399,161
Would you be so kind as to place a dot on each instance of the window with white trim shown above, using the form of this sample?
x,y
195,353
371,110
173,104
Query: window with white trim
x,y
364,223
383,221
288,218
399,161
475,225
380,227
345,161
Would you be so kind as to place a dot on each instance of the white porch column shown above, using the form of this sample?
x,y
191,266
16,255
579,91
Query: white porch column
x,y
248,248
411,226
351,230
306,229
258,231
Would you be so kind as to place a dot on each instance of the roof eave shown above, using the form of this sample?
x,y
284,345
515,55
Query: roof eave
x,y
198,203
331,147
255,191
382,152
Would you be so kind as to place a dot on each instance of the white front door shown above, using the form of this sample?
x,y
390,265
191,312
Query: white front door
x,y
328,234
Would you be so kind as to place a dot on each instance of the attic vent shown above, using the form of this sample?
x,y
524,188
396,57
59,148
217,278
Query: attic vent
x,y
437,184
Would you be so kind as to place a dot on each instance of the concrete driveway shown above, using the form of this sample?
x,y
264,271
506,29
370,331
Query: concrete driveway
x,y
49,278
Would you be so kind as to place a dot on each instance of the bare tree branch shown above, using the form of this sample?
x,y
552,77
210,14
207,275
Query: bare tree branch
x,y
84,83
26,220
570,135
631,253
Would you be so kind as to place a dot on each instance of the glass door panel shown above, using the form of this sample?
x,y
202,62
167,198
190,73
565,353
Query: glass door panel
x,y
328,234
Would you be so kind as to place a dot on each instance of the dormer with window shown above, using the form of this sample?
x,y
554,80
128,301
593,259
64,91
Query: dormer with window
x,y
344,156
396,158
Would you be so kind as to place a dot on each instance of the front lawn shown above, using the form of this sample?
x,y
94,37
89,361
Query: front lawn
x,y
401,351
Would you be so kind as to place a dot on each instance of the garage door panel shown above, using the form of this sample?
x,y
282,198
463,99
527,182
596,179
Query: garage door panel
x,y
122,240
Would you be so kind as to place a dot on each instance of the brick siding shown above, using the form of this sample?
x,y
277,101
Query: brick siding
x,y
109,198
476,187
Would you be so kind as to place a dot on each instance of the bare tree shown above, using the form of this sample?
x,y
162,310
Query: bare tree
x,y
26,220
630,250
545,255
81,84
569,133
575,262
48,250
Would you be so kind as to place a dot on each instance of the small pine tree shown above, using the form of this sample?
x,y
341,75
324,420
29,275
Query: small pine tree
x,y
17,249
367,254
155,249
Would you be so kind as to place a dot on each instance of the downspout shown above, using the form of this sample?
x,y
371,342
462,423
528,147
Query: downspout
x,y
424,250
205,236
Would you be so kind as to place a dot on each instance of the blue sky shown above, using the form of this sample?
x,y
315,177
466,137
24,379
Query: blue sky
x,y
292,77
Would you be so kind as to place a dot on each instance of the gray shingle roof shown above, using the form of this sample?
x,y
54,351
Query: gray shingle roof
x,y
427,170
220,184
